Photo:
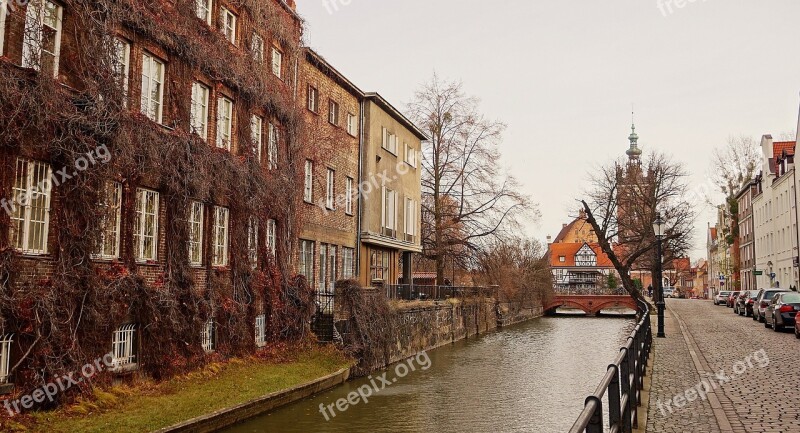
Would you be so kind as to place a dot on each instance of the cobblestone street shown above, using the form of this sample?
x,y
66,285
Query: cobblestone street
x,y
750,370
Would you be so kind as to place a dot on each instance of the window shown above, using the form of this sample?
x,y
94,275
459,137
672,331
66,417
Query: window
x,y
313,99
330,189
257,48
5,350
145,234
348,200
307,260
352,124
123,348
208,336
228,25
204,10
261,330
333,268
272,152
121,66
389,141
3,10
323,268
410,156
272,243
410,220
30,214
252,242
110,206
224,122
308,190
152,87
256,123
348,261
199,114
379,265
196,210
333,112
42,38
389,214
277,62
220,244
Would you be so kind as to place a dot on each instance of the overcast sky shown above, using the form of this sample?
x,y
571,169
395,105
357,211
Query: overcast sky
x,y
563,75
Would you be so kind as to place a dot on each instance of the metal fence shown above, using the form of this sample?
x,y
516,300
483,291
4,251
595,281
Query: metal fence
x,y
622,384
322,322
408,292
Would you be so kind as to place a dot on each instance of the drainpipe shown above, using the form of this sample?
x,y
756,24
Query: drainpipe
x,y
361,150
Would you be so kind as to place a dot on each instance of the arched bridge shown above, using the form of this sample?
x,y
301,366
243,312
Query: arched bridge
x,y
592,301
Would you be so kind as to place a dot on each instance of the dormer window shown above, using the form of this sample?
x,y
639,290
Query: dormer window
x,y
586,257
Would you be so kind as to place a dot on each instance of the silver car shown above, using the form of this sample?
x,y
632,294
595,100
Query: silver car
x,y
762,302
722,298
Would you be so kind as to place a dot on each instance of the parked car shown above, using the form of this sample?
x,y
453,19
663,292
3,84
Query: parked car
x,y
746,308
731,299
782,310
669,292
797,328
764,297
721,298
738,303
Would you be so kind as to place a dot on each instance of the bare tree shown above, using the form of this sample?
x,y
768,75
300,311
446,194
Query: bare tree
x,y
520,268
467,198
623,202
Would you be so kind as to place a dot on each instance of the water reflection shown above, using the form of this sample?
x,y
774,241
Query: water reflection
x,y
529,378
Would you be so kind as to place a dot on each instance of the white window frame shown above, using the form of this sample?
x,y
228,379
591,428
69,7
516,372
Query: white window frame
x,y
272,239
153,71
348,260
352,124
224,122
199,109
203,10
276,62
143,196
308,187
312,99
330,189
228,24
208,336
30,224
272,151
123,348
389,212
32,49
307,267
261,330
252,241
333,112
5,351
348,200
389,141
410,155
195,241
122,65
257,135
110,229
257,48
221,240
409,219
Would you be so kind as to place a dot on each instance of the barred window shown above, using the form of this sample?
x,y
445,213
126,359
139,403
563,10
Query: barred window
x,y
123,347
30,205
261,331
5,356
208,336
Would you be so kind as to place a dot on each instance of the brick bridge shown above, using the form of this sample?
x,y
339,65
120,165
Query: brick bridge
x,y
591,302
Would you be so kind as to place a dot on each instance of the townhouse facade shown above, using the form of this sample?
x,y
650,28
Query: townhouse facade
x,y
746,235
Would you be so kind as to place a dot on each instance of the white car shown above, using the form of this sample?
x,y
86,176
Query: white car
x,y
722,298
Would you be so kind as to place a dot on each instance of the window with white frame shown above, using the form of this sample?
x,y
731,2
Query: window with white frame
x,y
322,281
308,189
348,199
389,141
123,347
410,155
410,219
208,336
224,122
348,262
252,242
352,124
110,205
121,66
333,267
228,24
272,152
306,260
199,113
272,240
333,112
30,216
196,211
3,11
277,62
313,99
256,126
220,240
41,43
389,212
204,10
152,87
261,330
145,231
330,189
5,355
257,48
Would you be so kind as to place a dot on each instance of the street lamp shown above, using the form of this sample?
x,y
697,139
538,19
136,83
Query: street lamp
x,y
658,229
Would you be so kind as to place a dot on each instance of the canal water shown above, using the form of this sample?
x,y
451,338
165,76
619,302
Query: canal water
x,y
532,377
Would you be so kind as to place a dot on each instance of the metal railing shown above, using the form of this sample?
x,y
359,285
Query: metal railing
x,y
622,384
589,291
407,292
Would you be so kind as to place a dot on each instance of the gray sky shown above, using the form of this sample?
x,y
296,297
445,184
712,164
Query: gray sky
x,y
563,75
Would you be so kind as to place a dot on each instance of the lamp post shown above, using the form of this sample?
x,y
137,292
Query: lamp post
x,y
658,229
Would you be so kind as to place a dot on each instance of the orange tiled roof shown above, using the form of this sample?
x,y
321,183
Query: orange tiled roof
x,y
778,147
568,251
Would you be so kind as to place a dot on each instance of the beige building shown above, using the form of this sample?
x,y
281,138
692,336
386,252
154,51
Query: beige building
x,y
390,190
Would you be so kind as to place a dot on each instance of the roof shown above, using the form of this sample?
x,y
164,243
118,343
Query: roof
x,y
778,147
569,250
681,264
566,229
394,112
320,63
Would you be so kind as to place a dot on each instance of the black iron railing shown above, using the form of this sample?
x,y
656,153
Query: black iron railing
x,y
408,292
622,384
